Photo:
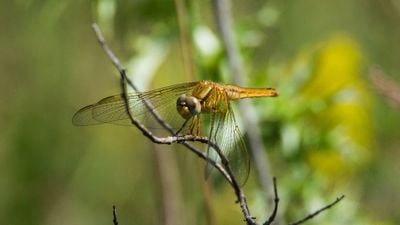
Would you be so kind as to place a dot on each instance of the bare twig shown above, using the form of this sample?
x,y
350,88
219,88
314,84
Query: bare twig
x,y
310,216
276,203
107,50
143,129
222,11
224,20
224,169
115,221
187,59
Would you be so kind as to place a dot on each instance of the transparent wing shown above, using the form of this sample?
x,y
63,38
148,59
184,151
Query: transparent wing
x,y
112,109
233,146
225,132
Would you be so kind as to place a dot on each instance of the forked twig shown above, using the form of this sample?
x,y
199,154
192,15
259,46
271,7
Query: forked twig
x,y
224,21
158,140
310,216
224,169
276,203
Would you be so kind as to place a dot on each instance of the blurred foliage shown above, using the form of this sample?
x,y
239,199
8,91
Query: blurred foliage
x,y
328,133
320,119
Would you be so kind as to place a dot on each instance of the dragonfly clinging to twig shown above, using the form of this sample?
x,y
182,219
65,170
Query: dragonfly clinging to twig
x,y
184,107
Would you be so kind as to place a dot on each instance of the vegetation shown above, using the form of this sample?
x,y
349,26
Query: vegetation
x,y
331,131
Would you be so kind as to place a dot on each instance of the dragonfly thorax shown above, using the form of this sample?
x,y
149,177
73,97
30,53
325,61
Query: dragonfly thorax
x,y
188,106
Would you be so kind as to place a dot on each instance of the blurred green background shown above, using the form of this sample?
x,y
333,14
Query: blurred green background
x,y
330,132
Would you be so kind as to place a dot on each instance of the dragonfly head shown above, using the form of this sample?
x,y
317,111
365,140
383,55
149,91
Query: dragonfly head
x,y
188,106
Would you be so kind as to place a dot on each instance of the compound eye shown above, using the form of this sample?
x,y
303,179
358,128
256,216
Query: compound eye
x,y
181,101
193,104
182,107
188,106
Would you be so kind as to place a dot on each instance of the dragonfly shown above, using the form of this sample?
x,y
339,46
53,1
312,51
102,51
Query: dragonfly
x,y
192,108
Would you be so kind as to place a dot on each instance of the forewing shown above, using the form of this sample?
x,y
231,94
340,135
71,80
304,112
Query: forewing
x,y
112,109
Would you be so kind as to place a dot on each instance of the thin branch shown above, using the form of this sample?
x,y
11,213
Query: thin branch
x,y
158,140
224,21
107,50
224,169
187,59
276,203
222,11
115,221
310,216
223,15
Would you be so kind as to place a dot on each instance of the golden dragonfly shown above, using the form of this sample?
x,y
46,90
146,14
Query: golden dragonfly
x,y
188,108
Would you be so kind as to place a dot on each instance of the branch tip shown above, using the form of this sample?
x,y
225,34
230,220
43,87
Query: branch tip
x,y
312,215
115,221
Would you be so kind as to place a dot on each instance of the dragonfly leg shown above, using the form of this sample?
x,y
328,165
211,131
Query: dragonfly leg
x,y
183,126
195,126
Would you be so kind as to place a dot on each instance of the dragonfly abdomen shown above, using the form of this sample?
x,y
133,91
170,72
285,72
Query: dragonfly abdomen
x,y
234,92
